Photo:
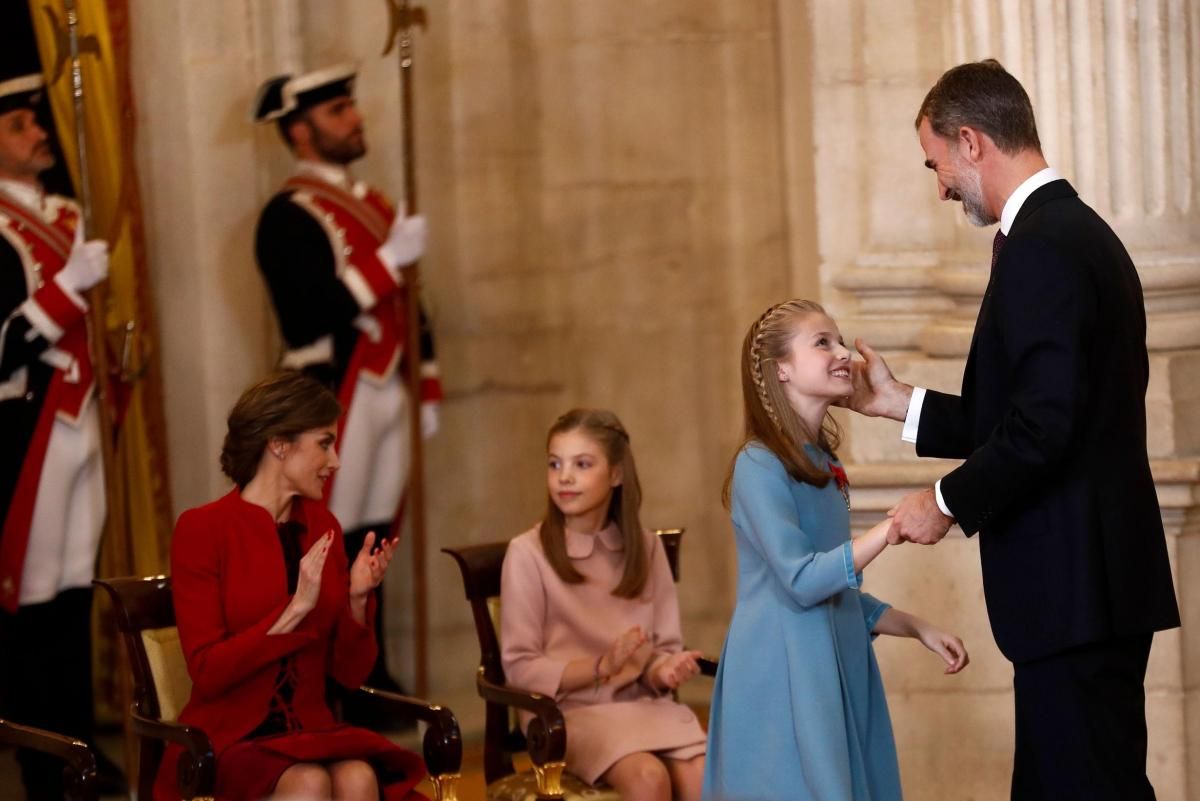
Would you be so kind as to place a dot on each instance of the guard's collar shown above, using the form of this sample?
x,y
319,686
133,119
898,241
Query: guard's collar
x,y
30,196
329,173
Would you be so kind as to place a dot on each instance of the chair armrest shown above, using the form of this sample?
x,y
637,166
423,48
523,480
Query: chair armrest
x,y
80,762
197,764
443,740
547,735
708,666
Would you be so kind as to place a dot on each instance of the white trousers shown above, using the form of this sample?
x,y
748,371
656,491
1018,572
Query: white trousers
x,y
68,514
375,455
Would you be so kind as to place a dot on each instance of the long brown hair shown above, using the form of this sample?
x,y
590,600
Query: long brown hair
x,y
769,418
623,506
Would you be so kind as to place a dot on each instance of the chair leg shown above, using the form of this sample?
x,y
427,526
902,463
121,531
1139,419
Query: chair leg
x,y
549,780
445,786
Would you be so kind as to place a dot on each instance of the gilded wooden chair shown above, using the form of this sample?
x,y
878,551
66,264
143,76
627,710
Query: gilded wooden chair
x,y
79,763
145,617
546,742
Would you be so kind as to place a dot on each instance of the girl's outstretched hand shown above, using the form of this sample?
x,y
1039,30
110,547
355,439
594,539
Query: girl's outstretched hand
x,y
947,646
370,565
676,669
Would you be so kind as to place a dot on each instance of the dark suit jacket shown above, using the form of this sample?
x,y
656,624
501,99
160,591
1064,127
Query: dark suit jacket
x,y
1052,424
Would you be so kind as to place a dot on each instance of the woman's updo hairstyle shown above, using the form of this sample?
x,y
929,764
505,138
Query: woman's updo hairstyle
x,y
281,406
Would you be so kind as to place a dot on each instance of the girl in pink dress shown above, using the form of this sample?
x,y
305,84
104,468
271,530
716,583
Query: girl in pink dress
x,y
589,617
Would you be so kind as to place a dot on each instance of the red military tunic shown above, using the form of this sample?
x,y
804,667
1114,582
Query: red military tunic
x,y
45,376
342,315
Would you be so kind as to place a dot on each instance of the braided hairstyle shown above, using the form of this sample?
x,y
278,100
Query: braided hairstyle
x,y
769,418
605,429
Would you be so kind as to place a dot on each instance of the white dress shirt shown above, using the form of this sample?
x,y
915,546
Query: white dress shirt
x,y
1008,215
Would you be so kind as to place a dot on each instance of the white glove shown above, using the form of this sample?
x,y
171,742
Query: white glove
x,y
430,420
86,266
405,241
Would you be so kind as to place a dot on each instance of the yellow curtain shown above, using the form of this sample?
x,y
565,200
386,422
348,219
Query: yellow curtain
x,y
139,517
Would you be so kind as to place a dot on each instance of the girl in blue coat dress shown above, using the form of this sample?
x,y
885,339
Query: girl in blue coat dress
x,y
798,710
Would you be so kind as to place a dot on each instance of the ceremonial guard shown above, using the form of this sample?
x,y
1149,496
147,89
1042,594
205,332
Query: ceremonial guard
x,y
51,474
333,251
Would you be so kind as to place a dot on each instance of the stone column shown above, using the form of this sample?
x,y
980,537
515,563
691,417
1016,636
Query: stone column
x,y
1115,87
204,171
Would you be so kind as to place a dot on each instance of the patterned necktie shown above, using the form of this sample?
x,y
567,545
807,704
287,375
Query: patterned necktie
x,y
997,243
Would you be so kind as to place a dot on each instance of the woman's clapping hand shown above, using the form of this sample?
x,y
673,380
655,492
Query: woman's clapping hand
x,y
308,586
312,566
370,566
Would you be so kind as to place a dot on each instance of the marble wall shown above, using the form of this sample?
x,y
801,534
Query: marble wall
x,y
615,191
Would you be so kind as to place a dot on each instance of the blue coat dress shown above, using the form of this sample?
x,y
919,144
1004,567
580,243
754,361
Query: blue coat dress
x,y
798,709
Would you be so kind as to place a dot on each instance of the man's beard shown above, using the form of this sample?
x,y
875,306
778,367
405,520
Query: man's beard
x,y
339,151
969,192
32,166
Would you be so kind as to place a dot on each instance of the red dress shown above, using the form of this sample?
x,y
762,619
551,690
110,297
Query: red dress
x,y
230,586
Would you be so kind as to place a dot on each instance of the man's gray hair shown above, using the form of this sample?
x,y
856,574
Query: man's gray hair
x,y
984,96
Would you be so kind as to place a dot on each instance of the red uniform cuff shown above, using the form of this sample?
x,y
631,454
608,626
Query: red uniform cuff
x,y
431,390
52,311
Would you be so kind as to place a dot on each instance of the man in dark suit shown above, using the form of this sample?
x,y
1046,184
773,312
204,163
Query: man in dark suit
x,y
1051,423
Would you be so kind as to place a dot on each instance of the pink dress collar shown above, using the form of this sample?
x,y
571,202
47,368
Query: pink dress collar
x,y
580,546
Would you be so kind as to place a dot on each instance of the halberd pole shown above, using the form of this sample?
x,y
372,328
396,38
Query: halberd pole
x,y
403,17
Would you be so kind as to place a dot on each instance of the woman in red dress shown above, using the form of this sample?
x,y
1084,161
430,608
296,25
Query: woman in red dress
x,y
267,608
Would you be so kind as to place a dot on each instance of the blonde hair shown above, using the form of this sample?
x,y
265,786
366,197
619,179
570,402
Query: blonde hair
x,y
623,507
769,418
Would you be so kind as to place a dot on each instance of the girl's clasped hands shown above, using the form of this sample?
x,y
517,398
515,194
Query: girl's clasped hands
x,y
626,659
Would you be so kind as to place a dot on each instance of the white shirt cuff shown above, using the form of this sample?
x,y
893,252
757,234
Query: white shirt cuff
x,y
912,420
40,322
941,502
364,296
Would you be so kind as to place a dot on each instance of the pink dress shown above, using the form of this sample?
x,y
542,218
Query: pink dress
x,y
546,623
